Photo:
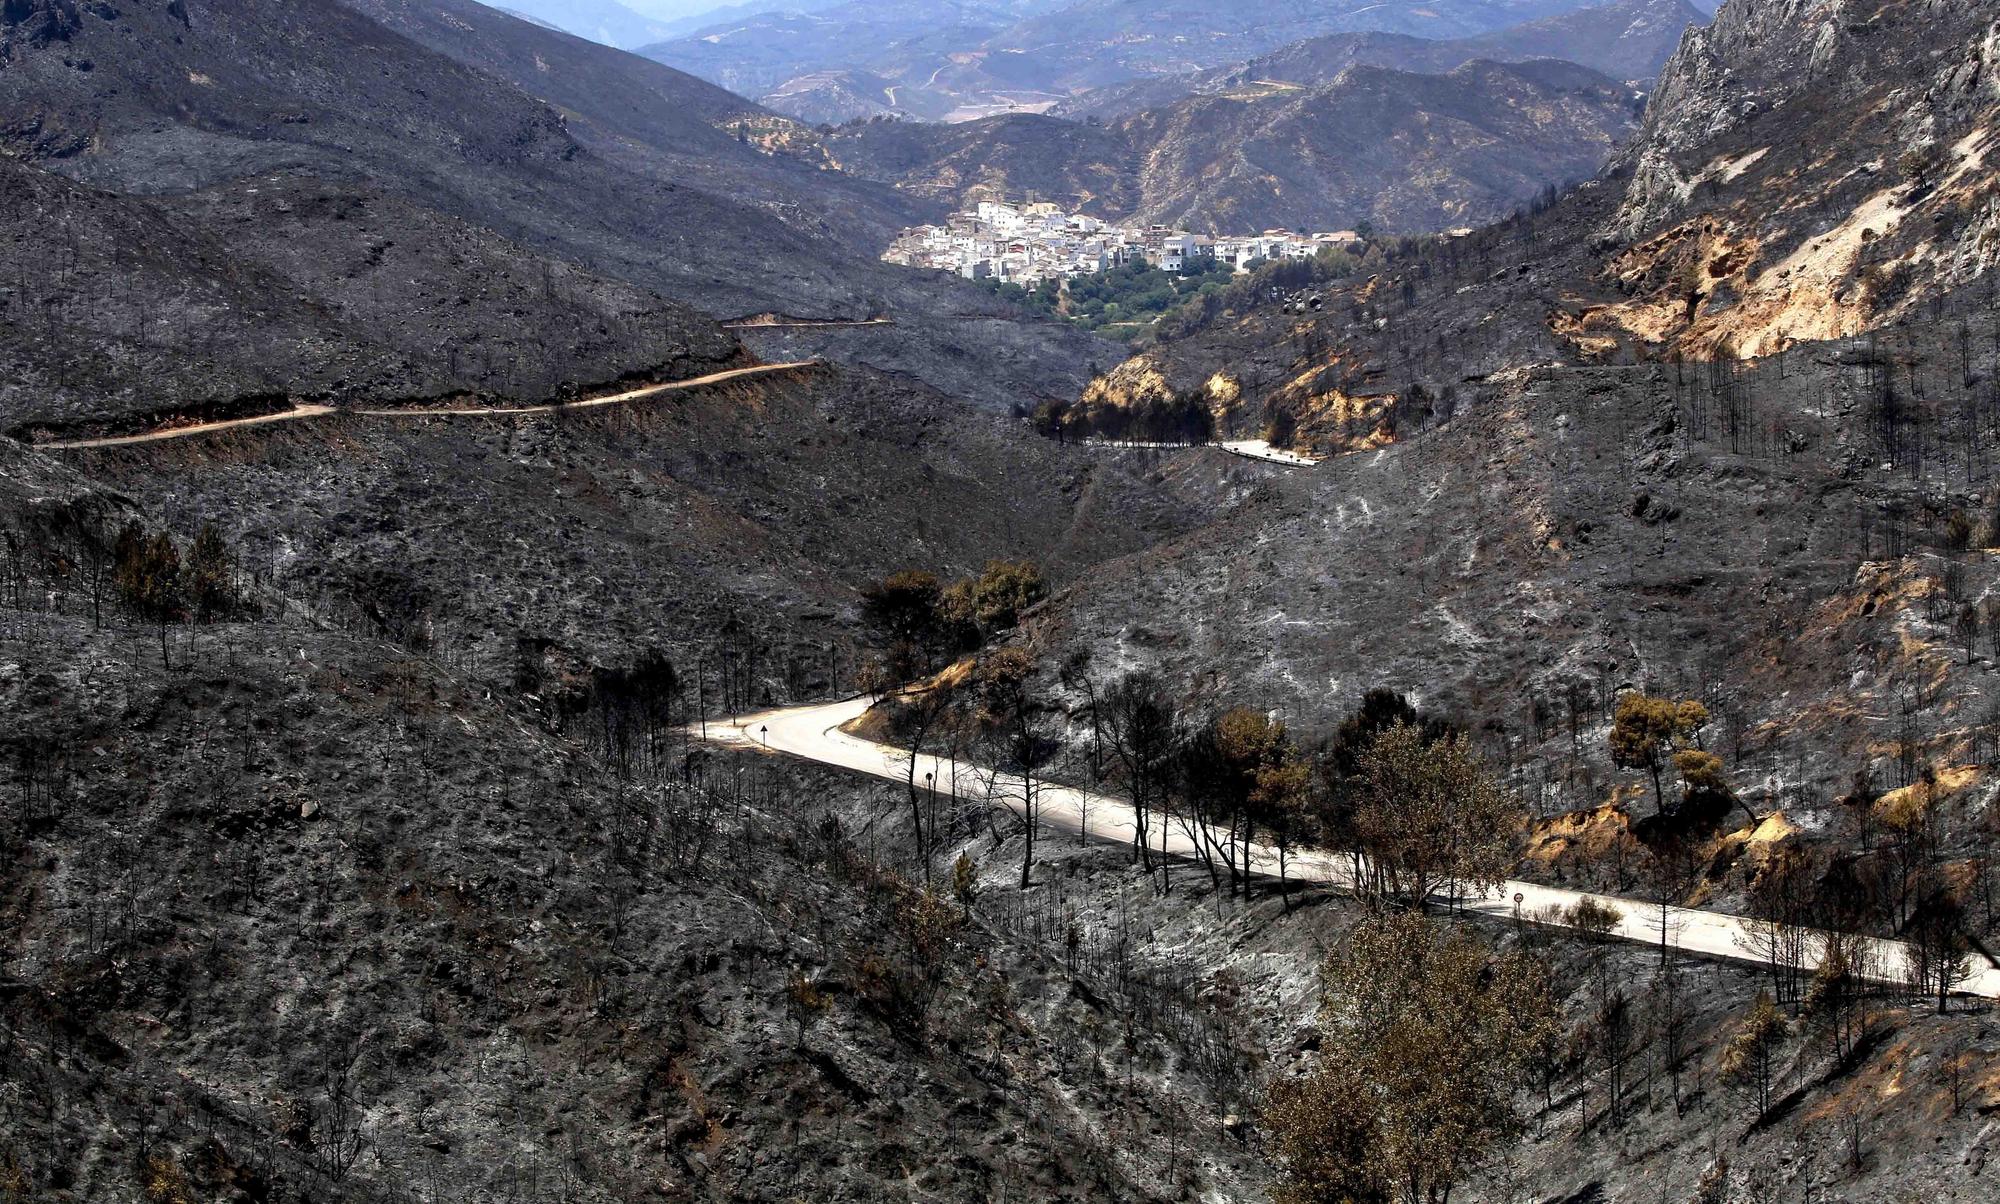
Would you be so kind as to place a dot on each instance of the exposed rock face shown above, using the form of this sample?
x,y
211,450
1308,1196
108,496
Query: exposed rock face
x,y
1751,57
1907,70
1808,169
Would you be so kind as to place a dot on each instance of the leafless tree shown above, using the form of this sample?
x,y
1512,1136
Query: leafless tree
x,y
1781,910
337,1137
926,710
1139,720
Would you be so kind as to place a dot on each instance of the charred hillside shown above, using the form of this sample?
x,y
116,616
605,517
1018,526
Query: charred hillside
x,y
1479,382
373,825
1833,180
395,937
499,624
1774,504
237,297
648,117
762,506
434,889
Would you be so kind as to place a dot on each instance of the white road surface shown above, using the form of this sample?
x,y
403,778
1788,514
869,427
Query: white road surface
x,y
773,322
1249,449
813,733
1258,449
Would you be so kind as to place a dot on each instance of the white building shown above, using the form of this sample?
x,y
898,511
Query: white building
x,y
1032,243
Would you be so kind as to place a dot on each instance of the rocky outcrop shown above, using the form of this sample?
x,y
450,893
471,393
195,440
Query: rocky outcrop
x,y
1807,169
1878,62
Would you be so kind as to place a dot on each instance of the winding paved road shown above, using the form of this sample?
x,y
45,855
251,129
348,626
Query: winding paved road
x,y
320,411
813,733
1249,449
808,323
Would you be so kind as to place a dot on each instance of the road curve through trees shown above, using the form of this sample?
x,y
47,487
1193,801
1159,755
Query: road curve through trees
x,y
813,733
321,411
777,322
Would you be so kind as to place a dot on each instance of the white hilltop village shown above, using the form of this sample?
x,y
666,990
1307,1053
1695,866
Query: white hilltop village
x,y
1028,244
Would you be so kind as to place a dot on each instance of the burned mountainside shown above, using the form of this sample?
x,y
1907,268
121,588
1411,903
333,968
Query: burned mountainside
x,y
1528,516
212,107
358,842
1803,172
383,866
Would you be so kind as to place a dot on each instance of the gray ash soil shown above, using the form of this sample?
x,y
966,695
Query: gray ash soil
x,y
1576,532
765,502
308,917
340,906
356,931
282,286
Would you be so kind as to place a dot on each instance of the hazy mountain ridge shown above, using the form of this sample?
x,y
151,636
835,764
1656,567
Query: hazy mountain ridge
x,y
1402,151
992,55
1144,38
604,21
1628,39
757,53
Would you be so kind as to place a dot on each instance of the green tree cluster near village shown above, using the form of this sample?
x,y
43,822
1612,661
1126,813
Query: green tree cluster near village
x,y
1136,292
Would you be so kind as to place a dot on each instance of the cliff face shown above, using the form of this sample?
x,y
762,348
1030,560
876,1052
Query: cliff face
x,y
1808,169
1760,56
